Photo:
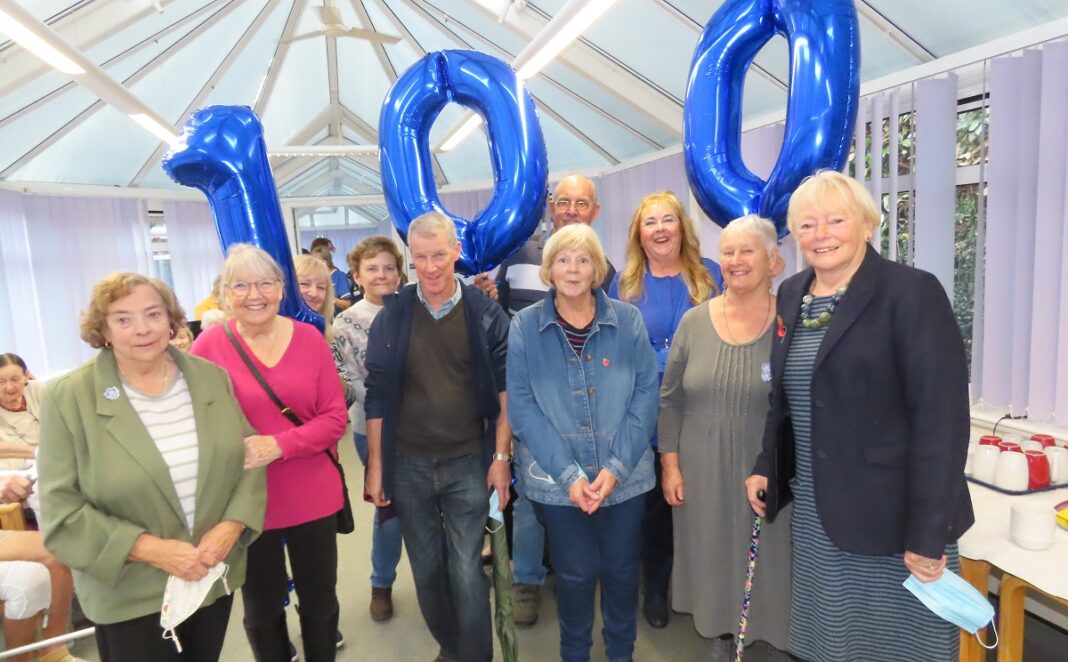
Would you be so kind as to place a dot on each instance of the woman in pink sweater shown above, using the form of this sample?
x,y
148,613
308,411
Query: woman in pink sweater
x,y
303,486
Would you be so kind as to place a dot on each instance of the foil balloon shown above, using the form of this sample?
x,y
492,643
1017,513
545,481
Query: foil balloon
x,y
517,151
821,107
222,154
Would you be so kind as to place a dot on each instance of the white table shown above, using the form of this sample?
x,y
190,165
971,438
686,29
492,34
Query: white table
x,y
988,544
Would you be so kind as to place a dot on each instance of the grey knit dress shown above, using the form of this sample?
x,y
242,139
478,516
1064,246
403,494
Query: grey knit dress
x,y
713,403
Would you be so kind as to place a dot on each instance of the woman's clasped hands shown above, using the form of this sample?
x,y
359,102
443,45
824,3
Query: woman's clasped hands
x,y
589,496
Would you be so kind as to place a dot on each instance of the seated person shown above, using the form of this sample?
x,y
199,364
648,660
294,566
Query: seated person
x,y
31,581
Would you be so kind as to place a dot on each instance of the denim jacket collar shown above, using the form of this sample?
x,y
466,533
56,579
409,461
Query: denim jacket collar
x,y
605,314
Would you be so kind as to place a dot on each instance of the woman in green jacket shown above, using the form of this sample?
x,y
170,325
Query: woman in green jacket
x,y
143,485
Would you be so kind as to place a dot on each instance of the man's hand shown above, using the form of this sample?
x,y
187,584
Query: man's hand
x,y
487,285
216,544
261,450
15,489
499,477
372,484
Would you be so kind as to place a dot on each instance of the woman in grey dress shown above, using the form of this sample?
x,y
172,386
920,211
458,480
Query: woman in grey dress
x,y
714,401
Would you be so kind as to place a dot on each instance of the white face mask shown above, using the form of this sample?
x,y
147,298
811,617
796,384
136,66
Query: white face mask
x,y
182,598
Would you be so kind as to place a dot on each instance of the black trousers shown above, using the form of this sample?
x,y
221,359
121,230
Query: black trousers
x,y
138,639
658,541
313,559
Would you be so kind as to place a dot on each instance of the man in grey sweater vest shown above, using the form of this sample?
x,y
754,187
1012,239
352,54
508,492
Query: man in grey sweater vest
x,y
438,438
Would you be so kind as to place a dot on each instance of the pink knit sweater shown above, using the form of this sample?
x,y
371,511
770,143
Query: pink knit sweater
x,y
303,485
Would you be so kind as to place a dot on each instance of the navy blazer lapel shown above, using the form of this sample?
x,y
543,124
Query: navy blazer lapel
x,y
789,306
856,299
126,427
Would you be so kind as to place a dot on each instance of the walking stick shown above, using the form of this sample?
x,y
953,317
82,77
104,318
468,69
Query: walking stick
x,y
747,595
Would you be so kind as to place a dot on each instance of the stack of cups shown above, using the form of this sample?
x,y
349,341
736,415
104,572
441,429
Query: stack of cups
x,y
1018,465
1031,525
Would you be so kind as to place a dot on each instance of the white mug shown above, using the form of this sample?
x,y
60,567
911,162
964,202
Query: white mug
x,y
984,461
1030,445
1058,464
1010,472
1031,525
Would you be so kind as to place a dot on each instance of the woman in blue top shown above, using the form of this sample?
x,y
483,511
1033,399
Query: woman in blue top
x,y
582,401
664,277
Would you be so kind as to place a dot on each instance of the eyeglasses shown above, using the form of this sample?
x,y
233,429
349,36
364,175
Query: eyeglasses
x,y
244,287
563,204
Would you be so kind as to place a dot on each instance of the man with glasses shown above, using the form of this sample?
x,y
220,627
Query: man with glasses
x,y
438,439
517,286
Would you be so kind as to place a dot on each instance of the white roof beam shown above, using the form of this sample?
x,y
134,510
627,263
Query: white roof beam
x,y
147,41
687,21
263,97
596,67
209,86
901,39
130,81
86,26
542,106
451,27
380,50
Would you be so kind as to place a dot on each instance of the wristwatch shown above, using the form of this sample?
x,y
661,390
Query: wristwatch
x,y
503,457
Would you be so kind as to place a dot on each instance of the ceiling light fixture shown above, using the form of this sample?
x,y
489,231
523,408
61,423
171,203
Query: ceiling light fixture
x,y
572,20
23,35
42,41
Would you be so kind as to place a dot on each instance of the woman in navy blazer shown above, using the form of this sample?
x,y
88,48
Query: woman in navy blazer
x,y
867,434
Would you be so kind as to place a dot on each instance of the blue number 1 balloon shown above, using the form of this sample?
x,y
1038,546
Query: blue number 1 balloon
x,y
224,156
517,150
821,110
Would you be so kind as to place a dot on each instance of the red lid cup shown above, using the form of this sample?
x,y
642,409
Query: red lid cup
x,y
1046,440
1010,446
989,440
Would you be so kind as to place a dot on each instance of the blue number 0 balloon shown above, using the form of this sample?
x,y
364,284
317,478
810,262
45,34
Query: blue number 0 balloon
x,y
224,156
820,112
517,150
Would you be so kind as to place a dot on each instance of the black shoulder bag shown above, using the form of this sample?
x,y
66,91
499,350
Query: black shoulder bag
x,y
345,521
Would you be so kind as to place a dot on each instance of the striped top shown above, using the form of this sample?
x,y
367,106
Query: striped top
x,y
576,337
169,420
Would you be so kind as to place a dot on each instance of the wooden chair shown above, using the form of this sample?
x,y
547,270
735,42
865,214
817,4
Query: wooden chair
x,y
12,517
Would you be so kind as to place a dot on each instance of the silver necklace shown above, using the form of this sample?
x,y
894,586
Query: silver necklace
x,y
760,331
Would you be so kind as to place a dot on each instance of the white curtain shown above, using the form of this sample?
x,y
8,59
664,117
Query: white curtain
x,y
1025,330
196,252
53,250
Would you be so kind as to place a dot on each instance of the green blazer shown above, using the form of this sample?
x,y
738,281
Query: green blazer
x,y
103,483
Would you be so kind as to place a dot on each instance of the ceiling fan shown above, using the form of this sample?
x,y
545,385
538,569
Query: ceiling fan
x,y
330,17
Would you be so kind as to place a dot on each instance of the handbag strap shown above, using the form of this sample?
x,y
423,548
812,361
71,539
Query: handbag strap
x,y
286,411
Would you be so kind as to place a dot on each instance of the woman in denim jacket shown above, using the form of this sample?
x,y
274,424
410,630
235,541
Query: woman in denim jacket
x,y
582,401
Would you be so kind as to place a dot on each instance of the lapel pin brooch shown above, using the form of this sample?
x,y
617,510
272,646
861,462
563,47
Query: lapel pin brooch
x,y
111,393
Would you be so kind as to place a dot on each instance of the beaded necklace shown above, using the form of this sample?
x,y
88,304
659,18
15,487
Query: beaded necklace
x,y
824,318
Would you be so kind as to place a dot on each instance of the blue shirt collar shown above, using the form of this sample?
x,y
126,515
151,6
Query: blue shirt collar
x,y
446,307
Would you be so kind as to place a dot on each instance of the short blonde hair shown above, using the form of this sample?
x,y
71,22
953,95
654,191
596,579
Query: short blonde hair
x,y
575,237
309,265
828,187
756,226
434,223
121,284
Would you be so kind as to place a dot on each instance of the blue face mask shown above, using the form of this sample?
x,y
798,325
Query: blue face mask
x,y
955,600
495,511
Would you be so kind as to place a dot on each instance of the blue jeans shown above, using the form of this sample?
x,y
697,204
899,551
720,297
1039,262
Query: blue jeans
x,y
442,507
386,539
586,549
528,543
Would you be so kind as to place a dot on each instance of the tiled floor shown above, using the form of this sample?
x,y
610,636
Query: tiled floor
x,y
405,637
